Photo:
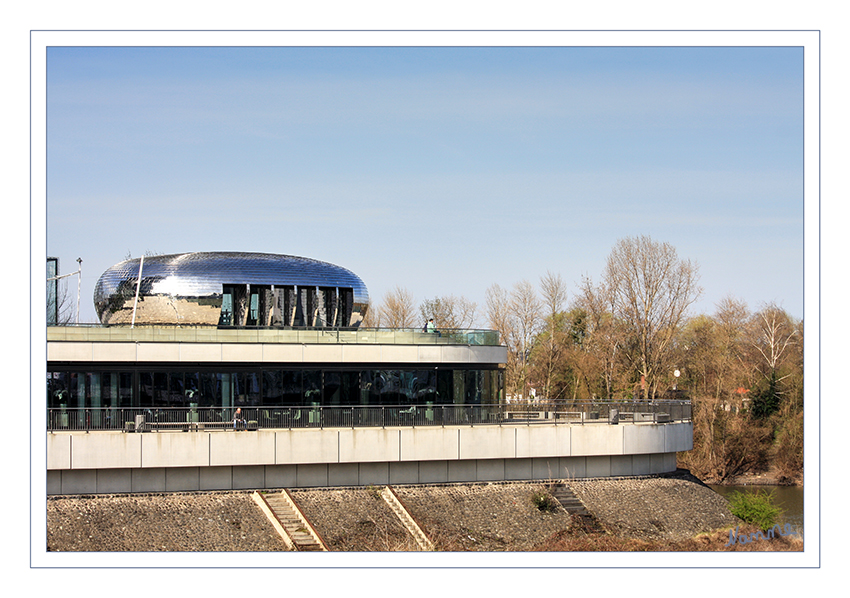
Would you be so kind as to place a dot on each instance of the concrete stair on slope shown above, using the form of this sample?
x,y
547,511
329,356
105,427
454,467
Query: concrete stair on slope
x,y
419,536
290,522
568,500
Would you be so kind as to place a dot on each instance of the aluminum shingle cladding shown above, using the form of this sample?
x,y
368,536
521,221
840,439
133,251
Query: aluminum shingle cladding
x,y
202,274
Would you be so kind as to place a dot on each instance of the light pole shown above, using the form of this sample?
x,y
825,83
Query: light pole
x,y
79,281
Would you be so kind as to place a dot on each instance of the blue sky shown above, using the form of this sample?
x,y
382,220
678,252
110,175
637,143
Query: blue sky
x,y
442,170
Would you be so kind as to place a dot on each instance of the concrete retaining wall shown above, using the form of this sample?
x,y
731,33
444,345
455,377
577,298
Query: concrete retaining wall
x,y
105,462
189,479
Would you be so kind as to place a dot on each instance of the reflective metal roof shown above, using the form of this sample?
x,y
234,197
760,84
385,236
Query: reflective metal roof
x,y
201,274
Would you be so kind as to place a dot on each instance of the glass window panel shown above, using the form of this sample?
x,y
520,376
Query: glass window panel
x,y
109,389
191,387
350,388
488,395
291,387
57,389
332,391
95,396
272,387
226,318
145,389
459,386
312,387
126,396
370,390
160,389
388,384
95,417
248,388
253,308
473,387
77,388
228,390
176,396
445,387
426,386
407,387
209,390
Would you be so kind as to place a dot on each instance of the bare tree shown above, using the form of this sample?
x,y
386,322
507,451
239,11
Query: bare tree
x,y
398,309
372,317
524,310
449,312
651,290
773,333
602,346
498,313
63,306
553,290
515,315
730,317
498,318
710,351
552,345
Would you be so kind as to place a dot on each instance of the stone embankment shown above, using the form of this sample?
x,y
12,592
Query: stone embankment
x,y
209,521
663,508
457,517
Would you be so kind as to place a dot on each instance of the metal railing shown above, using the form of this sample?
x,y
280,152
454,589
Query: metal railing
x,y
189,419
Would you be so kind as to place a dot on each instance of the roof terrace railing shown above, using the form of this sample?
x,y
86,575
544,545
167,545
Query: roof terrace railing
x,y
194,418
211,334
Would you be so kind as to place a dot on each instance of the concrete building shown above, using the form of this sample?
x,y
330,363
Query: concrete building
x,y
251,400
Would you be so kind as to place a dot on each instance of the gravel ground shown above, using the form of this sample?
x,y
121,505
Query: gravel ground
x,y
456,517
482,517
353,519
208,521
673,507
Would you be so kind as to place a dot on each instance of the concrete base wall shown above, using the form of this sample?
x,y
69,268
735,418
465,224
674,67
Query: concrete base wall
x,y
107,462
189,479
117,450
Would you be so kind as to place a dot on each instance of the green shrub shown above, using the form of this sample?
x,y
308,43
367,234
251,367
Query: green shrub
x,y
544,501
756,508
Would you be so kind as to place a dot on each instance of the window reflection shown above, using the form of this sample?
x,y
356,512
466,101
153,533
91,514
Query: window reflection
x,y
271,387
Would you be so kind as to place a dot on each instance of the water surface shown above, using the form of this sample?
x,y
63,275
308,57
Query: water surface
x,y
788,498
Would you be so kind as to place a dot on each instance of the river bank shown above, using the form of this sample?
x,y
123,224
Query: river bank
x,y
788,498
665,513
767,478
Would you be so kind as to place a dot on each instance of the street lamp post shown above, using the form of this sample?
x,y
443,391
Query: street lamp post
x,y
79,281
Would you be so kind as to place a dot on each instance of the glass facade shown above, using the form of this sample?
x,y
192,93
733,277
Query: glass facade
x,y
215,386
52,291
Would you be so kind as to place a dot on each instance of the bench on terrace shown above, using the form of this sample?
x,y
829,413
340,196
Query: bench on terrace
x,y
525,415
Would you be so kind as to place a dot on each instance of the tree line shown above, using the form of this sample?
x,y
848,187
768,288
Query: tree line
x,y
630,336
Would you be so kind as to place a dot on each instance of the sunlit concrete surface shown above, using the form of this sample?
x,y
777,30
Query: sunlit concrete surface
x,y
108,462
